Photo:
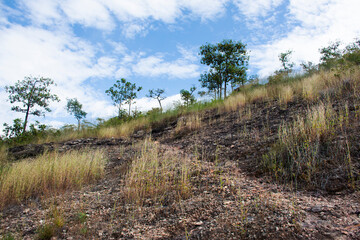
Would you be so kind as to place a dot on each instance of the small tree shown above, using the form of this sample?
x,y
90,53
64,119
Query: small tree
x,y
286,69
74,107
117,94
309,67
131,94
330,55
284,58
157,94
15,130
212,82
122,91
31,92
188,96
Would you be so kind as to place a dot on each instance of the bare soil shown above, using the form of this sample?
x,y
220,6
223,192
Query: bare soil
x,y
231,197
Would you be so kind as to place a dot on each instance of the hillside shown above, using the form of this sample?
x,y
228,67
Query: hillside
x,y
274,162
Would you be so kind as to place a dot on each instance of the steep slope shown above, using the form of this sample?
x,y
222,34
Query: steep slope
x,y
220,187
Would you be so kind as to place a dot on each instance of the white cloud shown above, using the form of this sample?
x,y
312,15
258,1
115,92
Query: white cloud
x,y
130,30
139,63
156,66
254,9
319,23
43,11
68,60
135,16
206,9
90,13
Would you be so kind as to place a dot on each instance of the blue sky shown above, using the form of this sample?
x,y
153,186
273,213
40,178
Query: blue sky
x,y
85,45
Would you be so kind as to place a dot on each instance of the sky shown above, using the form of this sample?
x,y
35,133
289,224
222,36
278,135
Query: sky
x,y
86,45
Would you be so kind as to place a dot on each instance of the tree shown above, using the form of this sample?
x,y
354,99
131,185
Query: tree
x,y
228,63
131,94
157,94
188,96
286,69
352,52
122,91
285,62
74,107
309,67
330,55
15,130
31,92
212,82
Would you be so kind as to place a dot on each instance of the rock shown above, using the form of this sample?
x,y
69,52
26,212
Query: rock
x,y
316,209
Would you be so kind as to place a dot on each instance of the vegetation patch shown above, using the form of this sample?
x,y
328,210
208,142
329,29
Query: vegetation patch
x,y
306,147
50,173
188,123
158,176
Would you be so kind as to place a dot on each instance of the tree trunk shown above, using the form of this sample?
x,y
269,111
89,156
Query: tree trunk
x,y
225,83
119,111
129,107
78,125
26,118
160,105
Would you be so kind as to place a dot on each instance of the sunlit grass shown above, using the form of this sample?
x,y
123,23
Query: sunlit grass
x,y
297,154
188,123
234,102
49,174
286,94
155,175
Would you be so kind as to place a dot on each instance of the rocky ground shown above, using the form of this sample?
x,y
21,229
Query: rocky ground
x,y
230,198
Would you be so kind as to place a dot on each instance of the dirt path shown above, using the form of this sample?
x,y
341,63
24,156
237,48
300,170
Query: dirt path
x,y
228,200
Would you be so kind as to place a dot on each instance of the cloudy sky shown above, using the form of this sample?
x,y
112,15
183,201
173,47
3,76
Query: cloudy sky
x,y
85,45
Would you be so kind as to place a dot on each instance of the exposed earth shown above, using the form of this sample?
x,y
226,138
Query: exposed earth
x,y
231,197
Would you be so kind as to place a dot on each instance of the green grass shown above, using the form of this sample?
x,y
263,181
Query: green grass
x,y
50,173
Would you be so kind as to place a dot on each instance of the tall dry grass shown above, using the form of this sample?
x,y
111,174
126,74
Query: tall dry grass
x,y
3,155
188,123
297,154
157,176
234,102
123,130
257,95
286,94
49,174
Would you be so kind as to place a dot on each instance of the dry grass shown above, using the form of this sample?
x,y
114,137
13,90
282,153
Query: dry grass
x,y
157,176
50,173
3,155
188,123
297,155
286,94
257,95
123,130
233,103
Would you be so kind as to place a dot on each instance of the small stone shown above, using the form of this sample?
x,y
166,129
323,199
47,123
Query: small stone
x,y
198,223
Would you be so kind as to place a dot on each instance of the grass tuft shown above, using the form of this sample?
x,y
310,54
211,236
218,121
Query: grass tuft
x,y
298,152
155,175
50,173
188,123
234,102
